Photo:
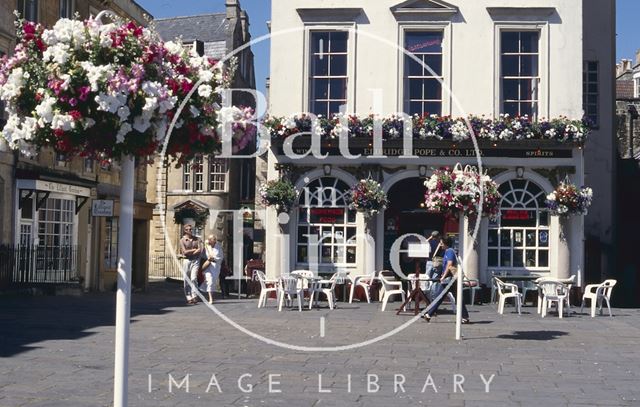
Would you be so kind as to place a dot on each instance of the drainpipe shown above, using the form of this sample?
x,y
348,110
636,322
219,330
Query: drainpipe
x,y
633,114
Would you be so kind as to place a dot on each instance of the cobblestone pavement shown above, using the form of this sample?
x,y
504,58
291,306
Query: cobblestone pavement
x,y
58,351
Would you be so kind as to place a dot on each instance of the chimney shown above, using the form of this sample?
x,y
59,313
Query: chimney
x,y
244,22
233,9
638,57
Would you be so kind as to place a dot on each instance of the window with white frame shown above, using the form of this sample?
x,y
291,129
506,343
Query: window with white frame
x,y
186,176
520,238
111,243
326,226
328,72
198,174
28,9
66,8
637,92
423,78
520,72
55,222
590,90
217,174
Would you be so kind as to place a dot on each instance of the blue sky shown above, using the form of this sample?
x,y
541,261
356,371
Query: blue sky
x,y
259,11
628,29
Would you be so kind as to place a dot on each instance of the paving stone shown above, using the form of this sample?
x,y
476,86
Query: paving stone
x,y
59,351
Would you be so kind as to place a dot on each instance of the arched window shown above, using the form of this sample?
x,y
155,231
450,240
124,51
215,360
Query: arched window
x,y
324,217
520,238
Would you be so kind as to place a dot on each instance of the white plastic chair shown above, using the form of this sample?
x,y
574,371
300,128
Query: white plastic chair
x,y
304,276
266,287
506,291
288,287
494,286
596,293
553,291
390,288
472,285
326,287
365,281
567,282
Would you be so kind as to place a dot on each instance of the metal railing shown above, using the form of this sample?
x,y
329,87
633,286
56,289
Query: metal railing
x,y
26,264
165,266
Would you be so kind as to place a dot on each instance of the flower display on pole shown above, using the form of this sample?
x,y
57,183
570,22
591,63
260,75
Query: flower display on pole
x,y
458,192
567,200
280,194
111,90
367,197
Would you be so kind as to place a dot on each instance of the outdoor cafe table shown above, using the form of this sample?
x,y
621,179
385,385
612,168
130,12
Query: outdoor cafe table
x,y
417,295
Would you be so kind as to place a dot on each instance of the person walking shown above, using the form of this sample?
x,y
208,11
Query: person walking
x,y
191,249
214,260
450,268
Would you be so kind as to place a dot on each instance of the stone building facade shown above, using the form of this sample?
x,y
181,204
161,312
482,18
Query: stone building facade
x,y
208,185
370,75
47,200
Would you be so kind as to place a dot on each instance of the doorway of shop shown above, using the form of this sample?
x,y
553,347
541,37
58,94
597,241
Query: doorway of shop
x,y
406,214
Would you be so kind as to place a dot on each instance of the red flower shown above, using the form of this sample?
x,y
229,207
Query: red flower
x,y
75,114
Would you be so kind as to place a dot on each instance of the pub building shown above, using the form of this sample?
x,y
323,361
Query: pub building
x,y
361,58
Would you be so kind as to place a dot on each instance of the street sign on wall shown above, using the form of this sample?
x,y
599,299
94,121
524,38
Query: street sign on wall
x,y
102,207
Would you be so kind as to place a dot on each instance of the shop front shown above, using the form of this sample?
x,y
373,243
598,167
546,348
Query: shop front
x,y
322,229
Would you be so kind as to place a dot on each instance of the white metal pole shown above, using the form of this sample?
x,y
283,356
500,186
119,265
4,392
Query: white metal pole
x,y
123,296
462,242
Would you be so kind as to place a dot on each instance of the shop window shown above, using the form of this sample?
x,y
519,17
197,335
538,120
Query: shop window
x,y
324,216
55,222
328,81
590,90
28,9
519,72
111,244
520,238
423,80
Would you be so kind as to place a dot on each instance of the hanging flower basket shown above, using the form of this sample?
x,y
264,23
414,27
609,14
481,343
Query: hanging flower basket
x,y
367,197
184,213
457,192
110,90
567,200
280,194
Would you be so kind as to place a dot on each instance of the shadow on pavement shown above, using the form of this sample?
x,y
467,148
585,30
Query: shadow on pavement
x,y
25,321
533,335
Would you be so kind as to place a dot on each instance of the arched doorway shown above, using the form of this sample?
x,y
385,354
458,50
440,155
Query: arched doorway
x,y
406,214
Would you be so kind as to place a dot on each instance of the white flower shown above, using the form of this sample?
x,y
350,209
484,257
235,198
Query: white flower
x,y
206,75
167,104
97,73
13,87
150,105
124,130
194,111
141,124
123,113
45,109
63,122
88,123
173,47
205,91
58,53
110,103
151,88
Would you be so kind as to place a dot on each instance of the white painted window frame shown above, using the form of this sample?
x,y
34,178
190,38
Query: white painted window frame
x,y
543,63
351,61
447,29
